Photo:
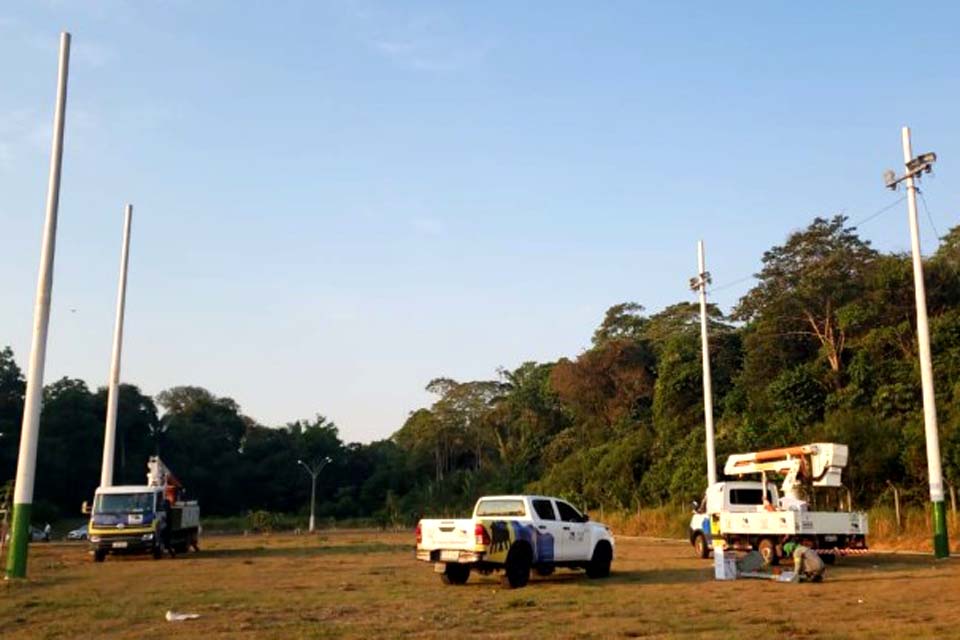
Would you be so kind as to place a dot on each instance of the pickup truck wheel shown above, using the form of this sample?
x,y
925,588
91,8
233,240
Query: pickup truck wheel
x,y
99,556
599,566
455,573
828,558
517,568
700,546
768,549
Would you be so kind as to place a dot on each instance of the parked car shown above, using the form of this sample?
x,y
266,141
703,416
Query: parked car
x,y
80,533
39,535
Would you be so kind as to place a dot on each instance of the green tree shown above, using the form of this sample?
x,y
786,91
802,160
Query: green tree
x,y
12,387
805,283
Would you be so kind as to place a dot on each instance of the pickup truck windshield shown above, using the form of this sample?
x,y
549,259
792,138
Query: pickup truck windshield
x,y
500,508
123,503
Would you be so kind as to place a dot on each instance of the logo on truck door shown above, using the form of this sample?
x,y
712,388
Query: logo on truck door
x,y
499,536
503,533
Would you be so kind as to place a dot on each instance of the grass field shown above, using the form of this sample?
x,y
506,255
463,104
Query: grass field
x,y
366,585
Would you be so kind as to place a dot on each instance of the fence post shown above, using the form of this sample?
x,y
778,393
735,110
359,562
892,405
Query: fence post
x,y
953,503
896,504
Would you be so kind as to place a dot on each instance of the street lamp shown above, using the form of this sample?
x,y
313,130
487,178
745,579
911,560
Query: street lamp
x,y
314,471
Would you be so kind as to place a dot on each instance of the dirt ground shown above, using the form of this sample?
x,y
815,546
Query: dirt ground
x,y
367,585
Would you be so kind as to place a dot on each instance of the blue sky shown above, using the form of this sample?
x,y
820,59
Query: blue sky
x,y
337,201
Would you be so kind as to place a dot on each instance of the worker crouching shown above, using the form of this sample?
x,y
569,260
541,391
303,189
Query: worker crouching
x,y
807,564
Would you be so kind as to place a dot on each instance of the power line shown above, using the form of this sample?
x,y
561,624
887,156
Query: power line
x,y
880,211
857,223
731,284
923,199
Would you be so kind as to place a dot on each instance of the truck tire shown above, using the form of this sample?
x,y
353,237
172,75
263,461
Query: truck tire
x,y
99,555
828,558
517,568
768,549
700,546
455,573
599,566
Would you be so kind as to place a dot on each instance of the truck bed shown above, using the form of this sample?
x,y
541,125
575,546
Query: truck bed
x,y
447,534
791,523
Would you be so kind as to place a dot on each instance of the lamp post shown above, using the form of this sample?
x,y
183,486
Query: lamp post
x,y
915,167
314,472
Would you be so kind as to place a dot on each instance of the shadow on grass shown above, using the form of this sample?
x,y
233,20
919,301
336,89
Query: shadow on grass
x,y
301,552
579,579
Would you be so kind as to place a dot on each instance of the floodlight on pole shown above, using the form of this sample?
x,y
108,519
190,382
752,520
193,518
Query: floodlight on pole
x,y
314,472
30,427
915,166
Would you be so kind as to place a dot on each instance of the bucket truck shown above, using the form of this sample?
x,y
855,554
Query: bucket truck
x,y
130,519
809,505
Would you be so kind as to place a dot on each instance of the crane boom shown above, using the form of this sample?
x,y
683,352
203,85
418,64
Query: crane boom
x,y
820,463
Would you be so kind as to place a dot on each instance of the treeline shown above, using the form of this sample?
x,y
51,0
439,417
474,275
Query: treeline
x,y
823,347
226,460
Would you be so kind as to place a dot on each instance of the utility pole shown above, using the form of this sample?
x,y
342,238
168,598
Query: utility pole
x,y
314,474
30,428
110,433
699,283
914,167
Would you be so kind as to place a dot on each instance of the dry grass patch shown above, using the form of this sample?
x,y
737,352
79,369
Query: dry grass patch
x,y
366,584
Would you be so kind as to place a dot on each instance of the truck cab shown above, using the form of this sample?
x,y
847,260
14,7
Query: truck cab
x,y
125,519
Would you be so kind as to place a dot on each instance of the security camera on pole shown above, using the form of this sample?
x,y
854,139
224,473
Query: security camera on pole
x,y
30,429
914,168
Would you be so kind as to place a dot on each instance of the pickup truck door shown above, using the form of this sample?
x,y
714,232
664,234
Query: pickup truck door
x,y
548,531
574,543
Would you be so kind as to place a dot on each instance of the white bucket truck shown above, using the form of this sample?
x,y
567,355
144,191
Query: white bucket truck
x,y
812,506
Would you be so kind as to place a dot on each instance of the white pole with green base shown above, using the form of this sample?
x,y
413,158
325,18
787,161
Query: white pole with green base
x,y
941,546
27,461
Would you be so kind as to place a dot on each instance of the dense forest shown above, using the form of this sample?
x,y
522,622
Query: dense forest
x,y
823,347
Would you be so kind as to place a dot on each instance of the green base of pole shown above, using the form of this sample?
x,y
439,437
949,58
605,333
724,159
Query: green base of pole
x,y
19,537
941,543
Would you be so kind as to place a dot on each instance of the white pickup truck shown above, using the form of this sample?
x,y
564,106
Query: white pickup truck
x,y
515,534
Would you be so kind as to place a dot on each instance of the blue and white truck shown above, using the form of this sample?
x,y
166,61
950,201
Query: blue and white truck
x,y
515,534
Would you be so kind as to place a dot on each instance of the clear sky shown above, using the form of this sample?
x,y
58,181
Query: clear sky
x,y
337,201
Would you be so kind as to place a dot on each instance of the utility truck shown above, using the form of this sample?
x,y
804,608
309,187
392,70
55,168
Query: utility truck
x,y
131,519
515,534
812,506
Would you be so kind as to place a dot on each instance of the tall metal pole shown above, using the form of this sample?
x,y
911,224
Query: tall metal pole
x,y
313,499
314,474
29,430
700,283
110,433
941,547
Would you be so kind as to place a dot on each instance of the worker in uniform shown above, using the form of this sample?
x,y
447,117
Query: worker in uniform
x,y
807,564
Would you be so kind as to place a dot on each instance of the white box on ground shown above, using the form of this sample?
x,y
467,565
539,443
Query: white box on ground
x,y
724,565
